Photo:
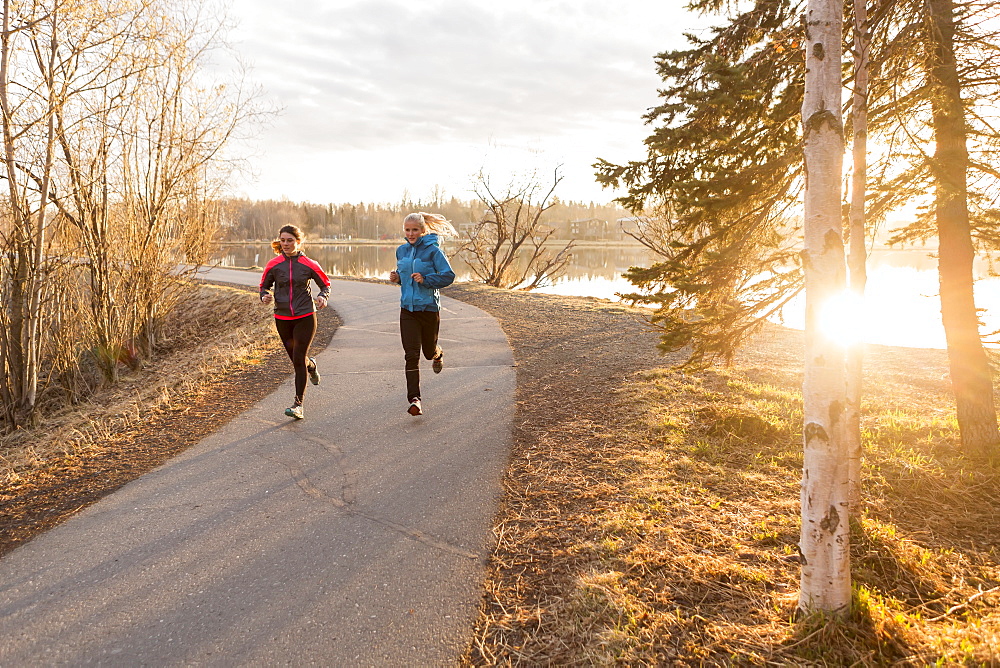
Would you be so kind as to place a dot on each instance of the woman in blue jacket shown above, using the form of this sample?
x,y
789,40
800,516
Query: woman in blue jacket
x,y
421,270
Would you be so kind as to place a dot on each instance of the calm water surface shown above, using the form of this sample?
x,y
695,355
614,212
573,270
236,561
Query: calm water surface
x,y
901,303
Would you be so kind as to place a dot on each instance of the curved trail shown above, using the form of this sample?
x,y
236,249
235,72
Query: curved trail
x,y
354,537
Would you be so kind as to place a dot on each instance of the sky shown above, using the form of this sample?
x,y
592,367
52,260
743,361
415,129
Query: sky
x,y
385,99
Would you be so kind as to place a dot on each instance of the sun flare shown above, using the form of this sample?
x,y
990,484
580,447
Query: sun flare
x,y
842,318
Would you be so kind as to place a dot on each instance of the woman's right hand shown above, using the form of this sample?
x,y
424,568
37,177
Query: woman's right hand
x,y
394,276
267,298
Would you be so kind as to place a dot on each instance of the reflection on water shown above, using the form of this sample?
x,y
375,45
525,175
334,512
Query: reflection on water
x,y
901,302
589,268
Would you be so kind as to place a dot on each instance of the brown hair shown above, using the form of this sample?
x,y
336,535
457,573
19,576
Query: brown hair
x,y
290,229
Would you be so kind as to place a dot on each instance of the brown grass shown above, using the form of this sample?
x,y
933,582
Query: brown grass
x,y
221,357
183,361
651,517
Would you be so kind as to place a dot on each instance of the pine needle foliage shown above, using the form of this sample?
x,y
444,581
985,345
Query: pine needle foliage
x,y
717,189
904,170
717,194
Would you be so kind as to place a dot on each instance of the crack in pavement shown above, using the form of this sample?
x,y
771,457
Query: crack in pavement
x,y
347,498
372,331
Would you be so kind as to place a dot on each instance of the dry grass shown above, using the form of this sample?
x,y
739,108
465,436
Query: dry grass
x,y
205,336
221,357
651,517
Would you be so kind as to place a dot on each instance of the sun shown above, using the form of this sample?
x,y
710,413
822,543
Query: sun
x,y
843,318
900,307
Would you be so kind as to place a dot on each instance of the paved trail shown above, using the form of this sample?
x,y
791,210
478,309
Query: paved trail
x,y
355,537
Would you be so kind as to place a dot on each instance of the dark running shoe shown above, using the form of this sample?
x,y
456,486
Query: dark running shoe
x,y
314,374
438,362
414,408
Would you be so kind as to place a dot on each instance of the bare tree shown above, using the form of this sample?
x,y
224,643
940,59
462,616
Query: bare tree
x,y
138,142
507,246
170,170
825,537
112,159
28,123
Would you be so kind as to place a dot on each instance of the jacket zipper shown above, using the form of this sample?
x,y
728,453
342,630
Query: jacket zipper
x,y
291,286
413,284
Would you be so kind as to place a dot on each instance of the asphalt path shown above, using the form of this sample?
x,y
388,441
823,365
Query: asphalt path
x,y
354,537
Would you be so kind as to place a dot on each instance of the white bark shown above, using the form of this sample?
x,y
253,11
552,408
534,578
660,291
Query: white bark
x,y
34,322
825,539
858,255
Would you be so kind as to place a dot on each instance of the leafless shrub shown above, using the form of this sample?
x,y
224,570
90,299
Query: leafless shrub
x,y
507,246
112,162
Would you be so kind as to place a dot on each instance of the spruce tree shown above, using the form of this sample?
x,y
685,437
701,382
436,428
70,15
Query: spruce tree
x,y
723,169
720,183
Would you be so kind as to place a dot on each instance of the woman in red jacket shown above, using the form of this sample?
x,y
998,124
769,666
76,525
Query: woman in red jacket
x,y
294,309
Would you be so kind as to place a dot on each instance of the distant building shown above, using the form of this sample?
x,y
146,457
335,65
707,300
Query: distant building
x,y
590,229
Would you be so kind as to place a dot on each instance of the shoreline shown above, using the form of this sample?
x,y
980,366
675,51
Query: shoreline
x,y
577,243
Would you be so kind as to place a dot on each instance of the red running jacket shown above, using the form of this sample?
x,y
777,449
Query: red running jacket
x,y
290,277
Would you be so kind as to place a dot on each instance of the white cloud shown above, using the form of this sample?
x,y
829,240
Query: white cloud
x,y
365,85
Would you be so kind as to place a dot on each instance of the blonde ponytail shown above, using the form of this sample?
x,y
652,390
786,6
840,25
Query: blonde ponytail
x,y
432,223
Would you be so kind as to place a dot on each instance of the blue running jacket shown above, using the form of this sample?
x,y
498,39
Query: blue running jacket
x,y
424,257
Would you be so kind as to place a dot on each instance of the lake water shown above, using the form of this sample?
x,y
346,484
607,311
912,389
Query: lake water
x,y
901,302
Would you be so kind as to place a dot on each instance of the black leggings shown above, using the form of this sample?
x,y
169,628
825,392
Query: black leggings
x,y
419,331
297,335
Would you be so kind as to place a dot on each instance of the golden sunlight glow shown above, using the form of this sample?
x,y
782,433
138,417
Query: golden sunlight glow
x,y
843,319
900,308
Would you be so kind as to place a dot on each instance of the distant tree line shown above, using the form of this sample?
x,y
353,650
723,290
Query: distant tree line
x,y
260,220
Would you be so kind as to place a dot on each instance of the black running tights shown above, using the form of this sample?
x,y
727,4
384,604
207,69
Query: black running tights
x,y
297,335
419,331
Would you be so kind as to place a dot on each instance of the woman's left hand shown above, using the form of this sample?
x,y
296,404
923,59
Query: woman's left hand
x,y
321,302
419,278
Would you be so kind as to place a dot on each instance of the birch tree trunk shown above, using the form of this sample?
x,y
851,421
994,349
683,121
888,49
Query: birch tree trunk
x,y
858,257
24,235
33,337
825,539
971,376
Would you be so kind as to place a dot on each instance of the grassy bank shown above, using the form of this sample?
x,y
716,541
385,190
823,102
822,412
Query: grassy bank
x,y
205,334
696,559
654,518
220,356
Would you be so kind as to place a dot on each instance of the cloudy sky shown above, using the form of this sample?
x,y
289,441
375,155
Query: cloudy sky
x,y
384,97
